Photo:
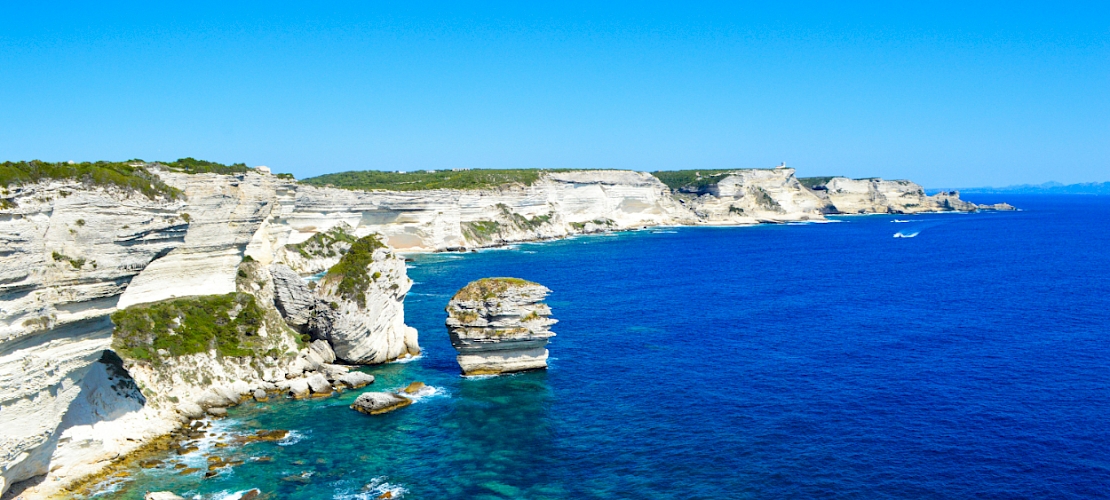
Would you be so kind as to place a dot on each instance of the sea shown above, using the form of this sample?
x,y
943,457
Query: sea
x,y
832,360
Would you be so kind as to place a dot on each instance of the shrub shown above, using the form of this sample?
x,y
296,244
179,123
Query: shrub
x,y
227,323
131,177
351,271
690,180
814,182
488,288
480,230
194,166
326,244
370,180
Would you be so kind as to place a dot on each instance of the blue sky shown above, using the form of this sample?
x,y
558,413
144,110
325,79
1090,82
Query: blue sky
x,y
945,94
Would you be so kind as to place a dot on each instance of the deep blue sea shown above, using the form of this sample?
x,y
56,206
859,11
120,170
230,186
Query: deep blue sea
x,y
780,361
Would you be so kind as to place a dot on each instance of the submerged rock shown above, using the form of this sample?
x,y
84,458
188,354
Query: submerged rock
x,y
500,325
375,403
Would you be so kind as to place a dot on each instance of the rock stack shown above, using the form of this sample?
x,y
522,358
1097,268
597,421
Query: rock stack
x,y
500,325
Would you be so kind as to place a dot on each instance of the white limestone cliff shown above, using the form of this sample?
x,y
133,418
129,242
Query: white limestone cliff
x,y
869,196
756,196
69,252
371,329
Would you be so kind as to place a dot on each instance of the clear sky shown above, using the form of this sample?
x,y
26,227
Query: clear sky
x,y
956,94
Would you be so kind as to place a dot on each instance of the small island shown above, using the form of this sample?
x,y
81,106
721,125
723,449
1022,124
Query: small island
x,y
500,325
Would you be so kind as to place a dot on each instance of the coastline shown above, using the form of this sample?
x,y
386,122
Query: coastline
x,y
195,246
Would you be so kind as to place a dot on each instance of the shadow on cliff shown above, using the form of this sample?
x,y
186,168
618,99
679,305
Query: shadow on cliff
x,y
107,392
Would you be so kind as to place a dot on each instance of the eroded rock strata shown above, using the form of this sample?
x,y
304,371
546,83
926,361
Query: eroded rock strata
x,y
500,325
79,392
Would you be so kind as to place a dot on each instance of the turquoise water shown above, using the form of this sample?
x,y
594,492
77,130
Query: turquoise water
x,y
814,361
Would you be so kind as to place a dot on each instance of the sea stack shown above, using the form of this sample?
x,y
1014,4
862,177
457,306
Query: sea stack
x,y
500,325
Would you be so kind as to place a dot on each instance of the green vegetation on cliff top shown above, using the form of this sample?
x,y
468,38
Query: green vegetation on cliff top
x,y
812,182
329,243
488,288
693,180
131,176
195,166
352,271
227,323
371,180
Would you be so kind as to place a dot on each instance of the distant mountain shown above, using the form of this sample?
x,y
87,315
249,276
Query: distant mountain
x,y
1097,188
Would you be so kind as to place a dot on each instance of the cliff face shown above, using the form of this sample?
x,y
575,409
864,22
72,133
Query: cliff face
x,y
557,205
74,254
500,325
869,196
68,252
370,328
755,196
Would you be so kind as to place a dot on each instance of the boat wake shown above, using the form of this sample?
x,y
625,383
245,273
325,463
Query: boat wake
x,y
900,234
899,221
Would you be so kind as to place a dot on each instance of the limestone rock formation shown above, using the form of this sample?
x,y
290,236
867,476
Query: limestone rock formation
x,y
294,300
500,325
366,292
877,196
752,197
356,380
376,403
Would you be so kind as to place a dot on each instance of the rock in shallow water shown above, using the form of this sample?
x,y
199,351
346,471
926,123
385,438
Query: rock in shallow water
x,y
500,325
355,380
375,403
161,495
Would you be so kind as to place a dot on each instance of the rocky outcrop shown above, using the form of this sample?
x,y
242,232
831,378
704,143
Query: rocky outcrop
x,y
753,197
500,325
876,196
557,205
376,403
74,254
292,297
67,252
366,293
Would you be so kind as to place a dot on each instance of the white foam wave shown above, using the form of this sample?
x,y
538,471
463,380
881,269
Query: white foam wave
x,y
229,495
906,235
374,489
899,221
292,438
483,377
110,486
410,359
426,392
